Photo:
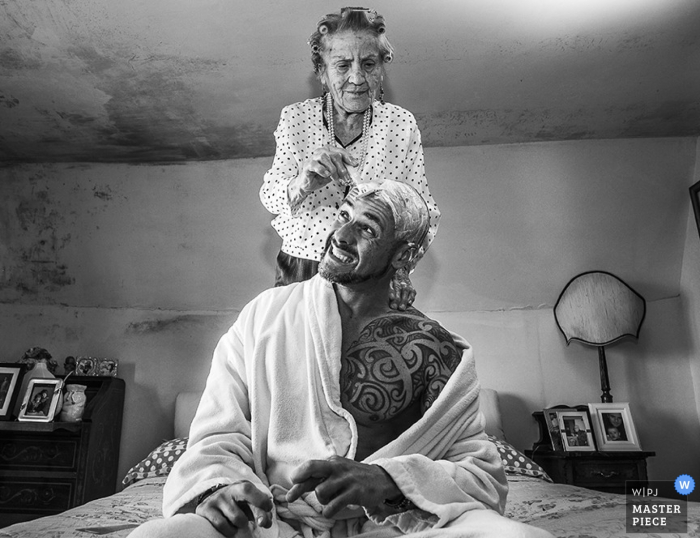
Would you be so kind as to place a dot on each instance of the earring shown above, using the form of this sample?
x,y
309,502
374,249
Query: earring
x,y
381,94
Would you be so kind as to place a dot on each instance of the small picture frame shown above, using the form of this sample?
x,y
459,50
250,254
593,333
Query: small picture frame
x,y
107,367
11,374
575,430
40,400
613,426
86,366
552,421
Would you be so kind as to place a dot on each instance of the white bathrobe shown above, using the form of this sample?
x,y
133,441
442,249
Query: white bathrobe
x,y
272,402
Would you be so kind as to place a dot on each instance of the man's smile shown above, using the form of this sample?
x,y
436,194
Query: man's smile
x,y
341,255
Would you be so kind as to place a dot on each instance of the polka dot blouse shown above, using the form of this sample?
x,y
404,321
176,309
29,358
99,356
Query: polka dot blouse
x,y
394,152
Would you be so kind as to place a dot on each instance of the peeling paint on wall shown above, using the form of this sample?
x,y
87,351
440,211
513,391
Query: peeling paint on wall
x,y
33,263
164,324
136,82
633,120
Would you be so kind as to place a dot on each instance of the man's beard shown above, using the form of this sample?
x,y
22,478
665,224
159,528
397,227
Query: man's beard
x,y
350,277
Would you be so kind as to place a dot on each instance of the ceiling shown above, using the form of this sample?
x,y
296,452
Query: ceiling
x,y
143,81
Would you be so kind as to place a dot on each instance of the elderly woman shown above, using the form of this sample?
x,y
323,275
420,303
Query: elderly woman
x,y
349,135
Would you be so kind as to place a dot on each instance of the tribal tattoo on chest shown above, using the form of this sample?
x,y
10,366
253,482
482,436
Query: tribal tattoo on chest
x,y
396,360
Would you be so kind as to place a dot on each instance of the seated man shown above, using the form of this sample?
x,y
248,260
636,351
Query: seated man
x,y
327,413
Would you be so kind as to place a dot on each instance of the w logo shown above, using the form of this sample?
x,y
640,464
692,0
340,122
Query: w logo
x,y
685,484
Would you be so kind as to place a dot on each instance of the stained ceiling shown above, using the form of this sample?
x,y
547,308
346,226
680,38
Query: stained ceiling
x,y
144,81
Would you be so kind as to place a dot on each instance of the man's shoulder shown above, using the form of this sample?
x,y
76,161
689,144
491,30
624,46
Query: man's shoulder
x,y
410,321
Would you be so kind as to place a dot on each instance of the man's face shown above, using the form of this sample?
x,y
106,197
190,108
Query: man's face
x,y
361,244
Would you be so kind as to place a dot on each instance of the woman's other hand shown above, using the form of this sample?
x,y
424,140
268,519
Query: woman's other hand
x,y
401,292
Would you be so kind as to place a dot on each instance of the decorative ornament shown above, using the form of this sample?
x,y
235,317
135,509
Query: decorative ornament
x,y
36,357
73,403
38,354
69,364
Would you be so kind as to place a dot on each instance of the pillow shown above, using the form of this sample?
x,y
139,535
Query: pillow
x,y
490,406
161,460
515,462
158,463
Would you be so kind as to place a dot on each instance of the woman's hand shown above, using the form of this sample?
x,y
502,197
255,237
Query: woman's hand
x,y
233,507
401,292
325,164
341,482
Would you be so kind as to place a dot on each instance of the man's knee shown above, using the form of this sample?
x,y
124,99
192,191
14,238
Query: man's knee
x,y
178,526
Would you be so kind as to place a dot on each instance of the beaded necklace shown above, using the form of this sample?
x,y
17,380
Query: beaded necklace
x,y
365,129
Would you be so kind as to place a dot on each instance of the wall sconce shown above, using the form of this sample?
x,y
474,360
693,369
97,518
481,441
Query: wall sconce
x,y
597,308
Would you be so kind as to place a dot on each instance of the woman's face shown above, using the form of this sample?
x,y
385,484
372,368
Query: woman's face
x,y
615,419
352,70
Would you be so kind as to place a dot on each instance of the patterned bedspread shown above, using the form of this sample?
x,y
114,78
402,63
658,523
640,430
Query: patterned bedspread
x,y
565,511
573,512
128,508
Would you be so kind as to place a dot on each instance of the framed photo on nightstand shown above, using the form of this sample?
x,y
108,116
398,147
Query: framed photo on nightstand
x,y
40,400
86,366
552,421
575,430
11,374
613,426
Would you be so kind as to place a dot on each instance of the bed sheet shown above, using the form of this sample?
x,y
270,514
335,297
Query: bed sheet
x,y
574,512
565,511
130,507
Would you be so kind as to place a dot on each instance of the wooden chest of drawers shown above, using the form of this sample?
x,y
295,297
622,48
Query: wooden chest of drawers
x,y
46,468
602,471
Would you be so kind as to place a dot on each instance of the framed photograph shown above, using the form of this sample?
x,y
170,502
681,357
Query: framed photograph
x,y
11,374
40,400
552,420
107,367
575,430
613,426
695,200
86,366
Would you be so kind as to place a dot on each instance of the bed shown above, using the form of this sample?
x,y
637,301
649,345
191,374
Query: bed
x,y
565,511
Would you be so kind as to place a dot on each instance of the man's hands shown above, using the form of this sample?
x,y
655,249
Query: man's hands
x,y
231,508
339,482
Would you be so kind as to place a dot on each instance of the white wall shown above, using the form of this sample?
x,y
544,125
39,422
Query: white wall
x,y
150,264
690,295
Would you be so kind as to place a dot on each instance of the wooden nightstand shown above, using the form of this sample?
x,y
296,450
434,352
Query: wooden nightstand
x,y
46,468
602,471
